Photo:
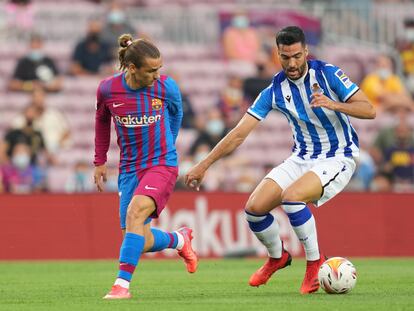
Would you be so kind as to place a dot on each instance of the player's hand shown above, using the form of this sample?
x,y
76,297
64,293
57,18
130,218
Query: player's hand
x,y
194,177
99,177
320,100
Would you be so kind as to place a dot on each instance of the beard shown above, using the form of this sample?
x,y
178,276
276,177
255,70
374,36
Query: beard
x,y
296,73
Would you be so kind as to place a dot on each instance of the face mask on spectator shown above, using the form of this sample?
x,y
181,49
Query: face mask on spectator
x,y
409,34
80,177
240,22
116,17
384,73
35,55
215,127
21,161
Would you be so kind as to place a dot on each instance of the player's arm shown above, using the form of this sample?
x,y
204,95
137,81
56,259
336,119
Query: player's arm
x,y
229,143
350,99
102,140
357,105
175,109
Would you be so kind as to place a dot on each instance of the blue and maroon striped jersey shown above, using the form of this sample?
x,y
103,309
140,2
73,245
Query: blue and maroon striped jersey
x,y
147,121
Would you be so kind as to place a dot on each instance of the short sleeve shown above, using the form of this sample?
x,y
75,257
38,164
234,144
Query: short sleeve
x,y
263,104
339,82
174,96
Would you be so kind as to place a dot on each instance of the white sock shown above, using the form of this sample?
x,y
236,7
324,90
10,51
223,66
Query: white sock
x,y
303,223
180,242
307,235
268,234
123,283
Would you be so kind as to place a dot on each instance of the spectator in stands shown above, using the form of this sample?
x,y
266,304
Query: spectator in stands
x,y
20,176
225,175
50,122
399,158
27,135
111,184
79,181
241,41
189,116
232,103
384,88
213,131
36,69
19,17
92,55
387,137
382,182
252,86
214,178
245,183
116,24
186,162
364,173
406,48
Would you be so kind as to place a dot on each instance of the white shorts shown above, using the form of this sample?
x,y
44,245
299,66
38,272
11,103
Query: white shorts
x,y
334,174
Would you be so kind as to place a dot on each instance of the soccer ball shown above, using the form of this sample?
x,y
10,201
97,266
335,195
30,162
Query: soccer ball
x,y
337,275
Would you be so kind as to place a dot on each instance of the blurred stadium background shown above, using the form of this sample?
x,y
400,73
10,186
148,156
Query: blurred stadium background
x,y
221,52
52,100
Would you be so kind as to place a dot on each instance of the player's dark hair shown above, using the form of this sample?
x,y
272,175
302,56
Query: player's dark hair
x,y
290,35
134,51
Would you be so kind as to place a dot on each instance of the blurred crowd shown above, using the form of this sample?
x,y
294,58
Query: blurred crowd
x,y
29,146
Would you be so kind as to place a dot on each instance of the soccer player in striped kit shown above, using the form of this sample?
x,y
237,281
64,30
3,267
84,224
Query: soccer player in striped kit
x,y
316,98
146,111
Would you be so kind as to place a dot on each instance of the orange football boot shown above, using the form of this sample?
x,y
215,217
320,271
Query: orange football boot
x,y
118,292
187,252
271,265
310,283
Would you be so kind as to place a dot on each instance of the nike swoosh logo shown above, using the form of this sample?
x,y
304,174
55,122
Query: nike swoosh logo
x,y
150,188
117,105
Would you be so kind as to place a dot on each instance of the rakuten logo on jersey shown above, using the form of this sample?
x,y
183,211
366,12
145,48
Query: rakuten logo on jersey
x,y
133,121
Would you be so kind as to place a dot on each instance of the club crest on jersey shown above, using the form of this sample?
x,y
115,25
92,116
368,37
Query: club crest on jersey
x,y
156,103
343,78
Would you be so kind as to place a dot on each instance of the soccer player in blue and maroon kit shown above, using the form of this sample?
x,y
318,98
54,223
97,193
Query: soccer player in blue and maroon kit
x,y
146,110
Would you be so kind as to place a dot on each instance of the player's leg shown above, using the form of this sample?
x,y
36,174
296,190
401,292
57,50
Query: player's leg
x,y
321,183
265,198
308,188
262,201
157,240
140,208
158,183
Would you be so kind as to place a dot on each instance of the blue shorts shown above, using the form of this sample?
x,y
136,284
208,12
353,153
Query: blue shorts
x,y
156,182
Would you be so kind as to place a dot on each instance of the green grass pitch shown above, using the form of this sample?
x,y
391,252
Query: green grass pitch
x,y
383,284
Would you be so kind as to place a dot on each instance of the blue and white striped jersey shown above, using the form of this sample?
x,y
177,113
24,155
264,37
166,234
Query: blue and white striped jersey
x,y
318,132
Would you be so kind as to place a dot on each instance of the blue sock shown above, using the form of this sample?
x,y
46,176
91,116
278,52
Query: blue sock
x,y
131,251
163,240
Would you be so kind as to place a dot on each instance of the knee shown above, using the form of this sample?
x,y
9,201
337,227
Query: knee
x,y
291,195
137,213
253,208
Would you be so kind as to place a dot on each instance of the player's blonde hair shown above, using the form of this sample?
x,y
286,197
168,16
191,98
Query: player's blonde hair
x,y
134,51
